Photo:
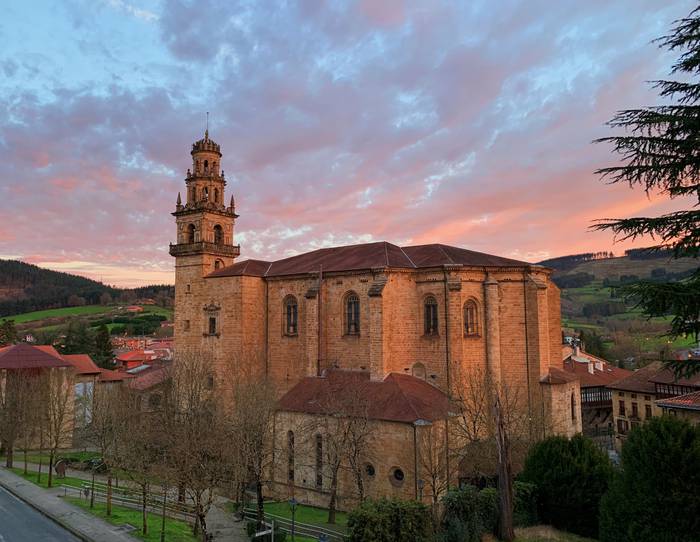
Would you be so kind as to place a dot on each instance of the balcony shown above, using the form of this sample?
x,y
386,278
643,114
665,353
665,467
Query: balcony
x,y
190,249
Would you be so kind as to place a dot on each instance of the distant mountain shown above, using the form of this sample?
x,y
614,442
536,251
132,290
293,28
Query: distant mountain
x,y
25,287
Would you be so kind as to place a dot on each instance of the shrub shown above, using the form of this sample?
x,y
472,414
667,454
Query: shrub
x,y
387,520
571,477
469,514
524,504
654,496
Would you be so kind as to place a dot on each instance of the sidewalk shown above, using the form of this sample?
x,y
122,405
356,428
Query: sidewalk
x,y
220,522
81,524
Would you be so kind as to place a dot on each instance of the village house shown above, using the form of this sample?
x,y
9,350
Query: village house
x,y
685,406
434,315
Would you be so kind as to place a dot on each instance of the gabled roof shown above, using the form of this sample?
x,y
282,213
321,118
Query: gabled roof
x,y
364,257
580,363
27,356
107,375
644,380
149,378
82,363
689,401
398,398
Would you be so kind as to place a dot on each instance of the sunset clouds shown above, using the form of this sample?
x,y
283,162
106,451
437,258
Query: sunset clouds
x,y
467,123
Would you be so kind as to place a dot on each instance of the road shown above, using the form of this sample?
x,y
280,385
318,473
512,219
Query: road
x,y
19,522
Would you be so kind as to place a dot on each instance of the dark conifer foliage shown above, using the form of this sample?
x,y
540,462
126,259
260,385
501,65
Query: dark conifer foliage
x,y
659,152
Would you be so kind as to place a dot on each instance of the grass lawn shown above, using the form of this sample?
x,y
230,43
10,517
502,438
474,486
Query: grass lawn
x,y
34,457
175,530
57,482
56,313
545,533
309,515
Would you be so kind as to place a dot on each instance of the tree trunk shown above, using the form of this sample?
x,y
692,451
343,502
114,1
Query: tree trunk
x,y
50,483
25,461
162,518
41,453
10,455
505,481
360,484
92,489
144,507
109,494
261,508
334,492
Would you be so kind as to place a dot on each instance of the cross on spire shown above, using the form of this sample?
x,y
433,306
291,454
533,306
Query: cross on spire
x,y
206,132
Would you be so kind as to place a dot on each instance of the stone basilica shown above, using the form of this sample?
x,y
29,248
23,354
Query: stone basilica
x,y
403,328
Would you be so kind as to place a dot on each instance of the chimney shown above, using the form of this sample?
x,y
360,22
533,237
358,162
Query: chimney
x,y
599,365
576,349
590,367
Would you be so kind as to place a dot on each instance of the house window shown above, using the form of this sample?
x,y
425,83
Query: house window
x,y
647,411
186,325
290,456
430,316
212,325
635,410
352,314
189,288
471,318
319,461
622,408
621,426
291,314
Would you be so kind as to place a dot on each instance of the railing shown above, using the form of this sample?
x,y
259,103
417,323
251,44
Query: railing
x,y
300,529
184,249
133,499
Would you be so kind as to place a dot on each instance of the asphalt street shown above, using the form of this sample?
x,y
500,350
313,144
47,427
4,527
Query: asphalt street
x,y
19,522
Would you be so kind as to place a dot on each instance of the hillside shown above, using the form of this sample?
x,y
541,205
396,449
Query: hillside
x,y
25,288
590,299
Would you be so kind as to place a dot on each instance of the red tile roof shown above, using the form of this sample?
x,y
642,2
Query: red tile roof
x,y
689,401
136,355
364,257
27,356
149,378
82,363
644,380
558,376
106,375
399,398
603,375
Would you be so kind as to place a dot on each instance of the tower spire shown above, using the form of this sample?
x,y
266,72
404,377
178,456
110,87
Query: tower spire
x,y
206,132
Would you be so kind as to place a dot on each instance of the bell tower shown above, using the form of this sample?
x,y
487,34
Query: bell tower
x,y
205,229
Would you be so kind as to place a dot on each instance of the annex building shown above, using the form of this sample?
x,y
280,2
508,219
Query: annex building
x,y
407,329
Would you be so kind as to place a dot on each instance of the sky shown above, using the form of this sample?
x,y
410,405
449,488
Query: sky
x,y
465,123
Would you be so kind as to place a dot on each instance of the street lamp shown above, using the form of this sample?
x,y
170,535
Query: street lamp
x,y
293,505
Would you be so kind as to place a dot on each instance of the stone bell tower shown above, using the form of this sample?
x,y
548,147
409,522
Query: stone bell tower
x,y
205,228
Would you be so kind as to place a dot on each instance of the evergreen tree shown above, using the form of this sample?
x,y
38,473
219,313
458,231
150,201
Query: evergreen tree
x,y
8,333
654,496
659,152
102,353
79,340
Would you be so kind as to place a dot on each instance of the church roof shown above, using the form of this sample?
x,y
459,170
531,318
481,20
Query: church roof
x,y
366,256
26,356
399,398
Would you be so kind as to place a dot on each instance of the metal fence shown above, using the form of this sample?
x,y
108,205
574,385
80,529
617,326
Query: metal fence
x,y
301,529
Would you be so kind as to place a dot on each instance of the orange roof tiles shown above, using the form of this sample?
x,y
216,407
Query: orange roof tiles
x,y
604,374
399,398
82,363
689,401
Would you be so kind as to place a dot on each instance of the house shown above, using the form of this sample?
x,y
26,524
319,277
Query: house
x,y
595,375
685,406
134,358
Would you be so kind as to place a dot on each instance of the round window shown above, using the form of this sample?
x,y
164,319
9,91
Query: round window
x,y
397,476
369,469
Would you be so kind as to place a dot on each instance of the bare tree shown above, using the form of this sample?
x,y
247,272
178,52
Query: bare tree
x,y
15,398
434,458
57,393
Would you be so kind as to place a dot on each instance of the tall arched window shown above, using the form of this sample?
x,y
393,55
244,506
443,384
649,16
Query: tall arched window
x,y
319,461
471,318
218,235
291,313
190,233
430,316
206,166
573,407
352,314
290,456
216,195
218,264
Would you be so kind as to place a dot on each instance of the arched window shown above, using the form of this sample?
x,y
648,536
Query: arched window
x,y
218,264
190,233
352,314
196,166
319,461
218,235
573,408
290,456
471,318
430,316
205,194
206,166
291,313
216,195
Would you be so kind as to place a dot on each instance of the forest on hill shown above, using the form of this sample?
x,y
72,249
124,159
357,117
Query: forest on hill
x,y
25,287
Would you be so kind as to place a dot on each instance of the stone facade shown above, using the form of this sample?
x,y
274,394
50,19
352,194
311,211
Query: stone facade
x,y
438,313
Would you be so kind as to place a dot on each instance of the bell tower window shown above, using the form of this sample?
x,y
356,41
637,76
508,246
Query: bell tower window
x,y
206,166
218,235
190,233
